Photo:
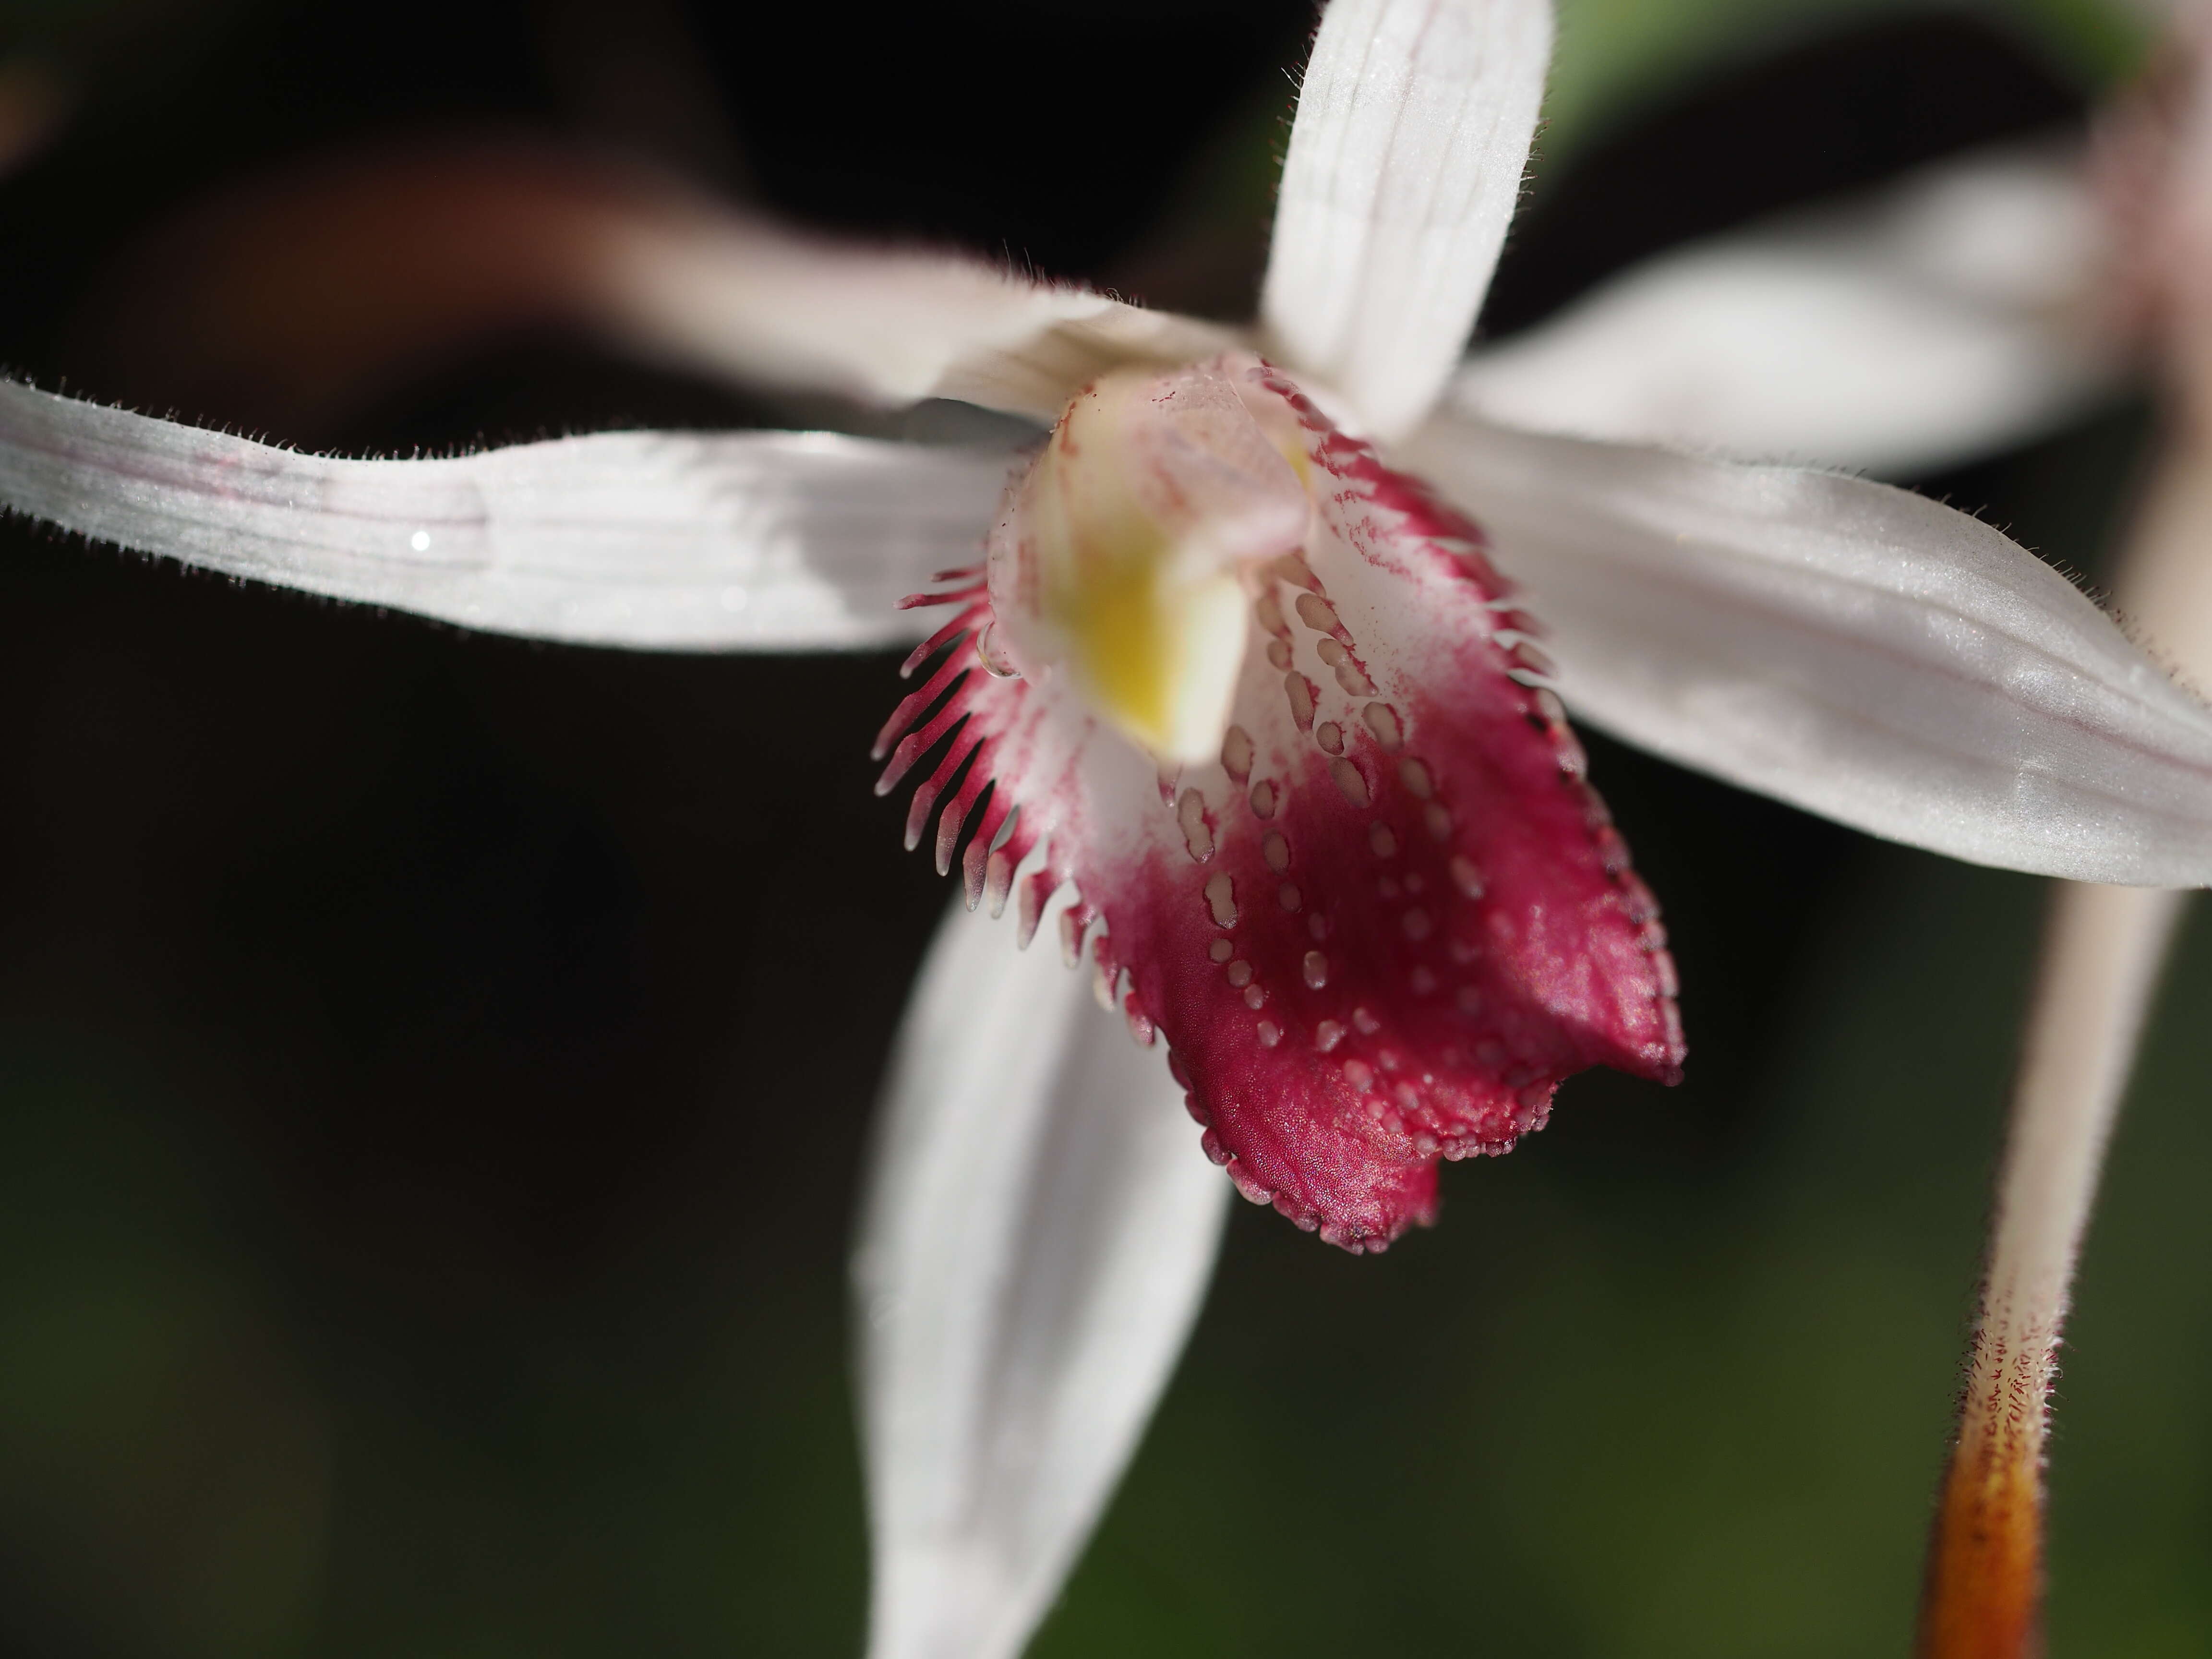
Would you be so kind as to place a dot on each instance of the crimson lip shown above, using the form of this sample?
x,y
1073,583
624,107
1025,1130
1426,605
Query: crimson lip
x,y
1388,921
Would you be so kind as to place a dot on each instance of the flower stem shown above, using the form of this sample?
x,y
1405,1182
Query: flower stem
x,y
2102,953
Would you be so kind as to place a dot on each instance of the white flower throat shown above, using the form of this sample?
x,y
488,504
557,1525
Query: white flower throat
x,y
1120,560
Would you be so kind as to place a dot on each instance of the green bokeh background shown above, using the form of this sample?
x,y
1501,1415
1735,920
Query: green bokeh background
x,y
328,1328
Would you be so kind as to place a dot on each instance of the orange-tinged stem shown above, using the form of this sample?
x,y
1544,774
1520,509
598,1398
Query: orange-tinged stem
x,y
1984,1590
1984,1595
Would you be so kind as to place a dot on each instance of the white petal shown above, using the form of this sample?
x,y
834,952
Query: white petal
x,y
1849,647
1040,1232
666,541
1404,165
714,290
1945,318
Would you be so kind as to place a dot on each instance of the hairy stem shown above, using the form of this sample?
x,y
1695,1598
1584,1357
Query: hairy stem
x,y
2102,954
1986,1566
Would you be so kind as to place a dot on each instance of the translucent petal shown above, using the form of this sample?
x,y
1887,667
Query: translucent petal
x,y
1038,1236
1947,318
664,541
1849,647
1404,162
743,298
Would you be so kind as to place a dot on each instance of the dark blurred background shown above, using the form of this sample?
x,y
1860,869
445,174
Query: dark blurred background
x,y
432,1069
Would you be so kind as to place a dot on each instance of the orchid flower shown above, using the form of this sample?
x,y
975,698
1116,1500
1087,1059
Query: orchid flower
x,y
1237,707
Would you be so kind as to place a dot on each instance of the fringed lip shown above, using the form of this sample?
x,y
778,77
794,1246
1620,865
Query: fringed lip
x,y
1382,925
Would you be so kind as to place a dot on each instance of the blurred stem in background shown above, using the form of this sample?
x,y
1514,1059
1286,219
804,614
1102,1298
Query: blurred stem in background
x,y
2105,947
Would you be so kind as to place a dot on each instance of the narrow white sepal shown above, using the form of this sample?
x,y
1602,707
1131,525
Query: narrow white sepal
x,y
1037,1237
1944,317
766,541
1404,162
1852,648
